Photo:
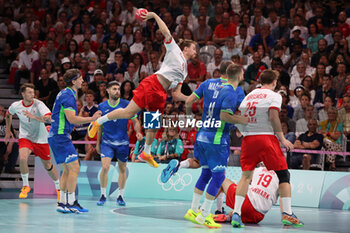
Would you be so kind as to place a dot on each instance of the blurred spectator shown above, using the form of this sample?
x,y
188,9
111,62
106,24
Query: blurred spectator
x,y
308,140
89,76
344,116
44,86
117,68
171,147
87,37
137,46
128,34
246,24
284,117
298,25
273,20
50,68
8,152
263,38
88,53
140,68
251,74
128,15
242,40
308,114
154,64
216,63
113,34
126,90
342,25
298,77
79,131
325,90
65,65
196,72
131,74
257,19
217,19
315,36
339,80
26,59
102,61
317,77
53,94
327,103
101,94
98,77
126,53
288,134
322,50
202,34
308,85
224,30
332,130
230,50
38,65
13,38
282,30
190,18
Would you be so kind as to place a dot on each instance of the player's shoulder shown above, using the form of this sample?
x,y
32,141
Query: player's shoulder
x,y
103,104
124,102
38,102
16,104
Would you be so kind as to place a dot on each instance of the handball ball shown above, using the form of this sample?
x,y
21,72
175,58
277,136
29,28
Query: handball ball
x,y
139,12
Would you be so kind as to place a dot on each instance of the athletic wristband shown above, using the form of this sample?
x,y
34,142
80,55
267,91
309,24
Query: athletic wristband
x,y
102,120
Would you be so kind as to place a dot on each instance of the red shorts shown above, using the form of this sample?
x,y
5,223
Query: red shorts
x,y
266,148
40,150
150,94
249,214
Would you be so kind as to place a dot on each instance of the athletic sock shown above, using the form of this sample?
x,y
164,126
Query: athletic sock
x,y
25,179
184,164
63,197
121,192
195,201
102,120
147,149
71,198
103,192
206,207
238,204
287,205
57,184
220,201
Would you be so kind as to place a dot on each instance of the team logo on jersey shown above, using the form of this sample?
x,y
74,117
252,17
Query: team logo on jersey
x,y
151,120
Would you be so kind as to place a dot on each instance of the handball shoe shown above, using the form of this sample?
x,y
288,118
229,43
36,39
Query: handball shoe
x,y
291,220
171,169
24,192
120,201
148,159
207,221
191,216
237,221
76,208
221,218
93,128
102,200
62,208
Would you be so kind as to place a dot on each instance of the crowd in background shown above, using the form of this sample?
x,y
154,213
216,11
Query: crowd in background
x,y
307,41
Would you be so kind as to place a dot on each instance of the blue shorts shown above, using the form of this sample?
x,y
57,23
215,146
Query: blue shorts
x,y
63,149
119,152
211,155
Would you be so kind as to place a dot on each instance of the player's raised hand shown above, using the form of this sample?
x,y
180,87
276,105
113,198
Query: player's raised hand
x,y
287,144
96,115
28,114
149,15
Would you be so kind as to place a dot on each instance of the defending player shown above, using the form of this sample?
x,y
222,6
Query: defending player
x,y
212,147
151,93
262,195
64,117
260,144
115,141
32,114
209,89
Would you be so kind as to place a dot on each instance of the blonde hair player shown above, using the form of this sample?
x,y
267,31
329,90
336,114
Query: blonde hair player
x,y
151,93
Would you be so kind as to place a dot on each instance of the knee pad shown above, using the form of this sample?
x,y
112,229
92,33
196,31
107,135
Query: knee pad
x,y
50,168
283,176
215,183
203,179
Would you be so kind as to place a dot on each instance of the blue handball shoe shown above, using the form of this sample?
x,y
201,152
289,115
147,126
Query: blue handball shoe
x,y
62,208
170,170
76,208
120,201
102,200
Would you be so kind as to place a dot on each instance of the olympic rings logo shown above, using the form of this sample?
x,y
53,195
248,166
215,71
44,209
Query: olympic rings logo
x,y
177,182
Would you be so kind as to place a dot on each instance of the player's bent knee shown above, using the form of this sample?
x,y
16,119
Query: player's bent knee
x,y
204,179
283,176
216,182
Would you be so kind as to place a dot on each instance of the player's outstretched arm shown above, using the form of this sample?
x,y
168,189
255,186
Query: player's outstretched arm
x,y
137,127
73,119
277,128
233,119
44,119
189,102
162,26
177,94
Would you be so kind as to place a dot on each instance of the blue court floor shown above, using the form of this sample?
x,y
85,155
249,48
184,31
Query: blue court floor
x,y
38,215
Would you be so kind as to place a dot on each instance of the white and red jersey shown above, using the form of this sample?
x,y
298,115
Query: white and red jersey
x,y
174,66
256,106
30,129
263,191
